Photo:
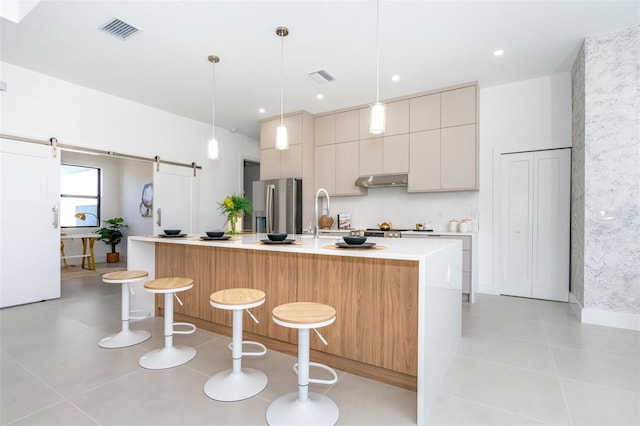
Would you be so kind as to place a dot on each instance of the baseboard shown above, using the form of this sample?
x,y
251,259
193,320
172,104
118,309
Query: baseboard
x,y
605,318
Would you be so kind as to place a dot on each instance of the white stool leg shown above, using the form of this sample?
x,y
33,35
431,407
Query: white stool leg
x,y
237,383
168,320
303,407
169,356
303,364
126,337
236,348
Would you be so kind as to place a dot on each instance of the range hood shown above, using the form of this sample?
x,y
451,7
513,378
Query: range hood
x,y
383,181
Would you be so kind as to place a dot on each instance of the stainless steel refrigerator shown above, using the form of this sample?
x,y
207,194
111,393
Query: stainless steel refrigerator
x,y
277,206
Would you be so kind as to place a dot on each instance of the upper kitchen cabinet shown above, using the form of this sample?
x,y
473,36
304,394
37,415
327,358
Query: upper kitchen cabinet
x,y
458,158
295,161
370,156
458,107
386,155
336,128
424,113
325,130
336,168
347,125
293,123
424,161
397,120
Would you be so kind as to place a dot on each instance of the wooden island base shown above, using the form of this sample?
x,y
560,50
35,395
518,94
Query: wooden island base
x,y
394,378
376,302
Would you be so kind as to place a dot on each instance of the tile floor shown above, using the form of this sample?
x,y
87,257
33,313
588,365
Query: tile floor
x,y
520,362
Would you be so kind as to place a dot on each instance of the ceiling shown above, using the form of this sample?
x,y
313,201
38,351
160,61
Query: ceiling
x,y
429,44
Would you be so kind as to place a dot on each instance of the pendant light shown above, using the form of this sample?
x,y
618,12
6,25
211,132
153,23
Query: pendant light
x,y
377,120
282,136
212,150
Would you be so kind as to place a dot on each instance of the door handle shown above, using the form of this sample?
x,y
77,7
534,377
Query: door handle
x,y
159,221
56,217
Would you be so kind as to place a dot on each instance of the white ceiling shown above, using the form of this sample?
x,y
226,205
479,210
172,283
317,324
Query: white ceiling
x,y
429,44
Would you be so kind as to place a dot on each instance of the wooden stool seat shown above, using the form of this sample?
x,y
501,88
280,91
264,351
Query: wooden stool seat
x,y
304,315
123,276
237,383
126,337
304,407
169,285
237,298
170,355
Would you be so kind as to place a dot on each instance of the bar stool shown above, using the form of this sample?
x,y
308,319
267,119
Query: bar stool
x,y
237,383
170,355
125,337
304,407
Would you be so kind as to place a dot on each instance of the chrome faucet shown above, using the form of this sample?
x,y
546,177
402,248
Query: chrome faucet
x,y
316,229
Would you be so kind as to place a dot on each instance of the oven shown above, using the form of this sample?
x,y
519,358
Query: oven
x,y
391,233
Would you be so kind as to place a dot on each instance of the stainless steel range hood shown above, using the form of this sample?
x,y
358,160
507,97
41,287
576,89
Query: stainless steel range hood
x,y
382,181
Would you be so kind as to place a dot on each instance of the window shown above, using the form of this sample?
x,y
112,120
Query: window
x,y
79,196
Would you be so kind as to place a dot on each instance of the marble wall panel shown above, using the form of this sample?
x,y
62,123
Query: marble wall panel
x,y
612,171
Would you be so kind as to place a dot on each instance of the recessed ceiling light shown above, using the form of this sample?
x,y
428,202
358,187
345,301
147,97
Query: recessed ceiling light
x,y
395,78
261,110
498,52
319,96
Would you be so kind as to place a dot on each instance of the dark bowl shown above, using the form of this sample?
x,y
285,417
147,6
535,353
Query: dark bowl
x,y
215,234
277,237
172,231
355,240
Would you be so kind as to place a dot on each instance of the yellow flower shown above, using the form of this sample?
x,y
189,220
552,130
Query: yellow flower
x,y
228,202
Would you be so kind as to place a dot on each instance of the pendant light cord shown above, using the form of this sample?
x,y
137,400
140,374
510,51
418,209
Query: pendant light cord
x,y
282,80
213,104
377,50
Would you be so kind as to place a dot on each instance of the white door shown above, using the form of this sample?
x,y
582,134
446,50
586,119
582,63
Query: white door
x,y
29,228
516,209
551,237
535,215
174,202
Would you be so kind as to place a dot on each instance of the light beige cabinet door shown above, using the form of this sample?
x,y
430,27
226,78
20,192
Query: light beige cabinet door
x,y
458,107
424,113
397,118
395,154
458,157
268,134
269,164
325,130
346,160
370,156
347,126
424,161
324,172
294,129
291,162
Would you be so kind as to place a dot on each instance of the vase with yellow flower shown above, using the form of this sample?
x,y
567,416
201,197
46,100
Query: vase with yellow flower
x,y
233,207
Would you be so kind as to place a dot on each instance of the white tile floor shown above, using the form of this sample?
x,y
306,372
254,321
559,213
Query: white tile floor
x,y
520,362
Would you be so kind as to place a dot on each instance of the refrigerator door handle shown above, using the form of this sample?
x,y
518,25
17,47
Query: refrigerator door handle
x,y
269,207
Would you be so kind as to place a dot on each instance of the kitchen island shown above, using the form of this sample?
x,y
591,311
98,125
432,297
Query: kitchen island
x,y
398,304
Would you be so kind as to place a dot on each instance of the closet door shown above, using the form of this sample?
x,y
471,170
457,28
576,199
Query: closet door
x,y
551,201
517,224
534,217
174,202
29,226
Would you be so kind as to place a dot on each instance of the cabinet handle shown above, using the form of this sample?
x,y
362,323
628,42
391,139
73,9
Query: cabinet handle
x,y
56,217
159,221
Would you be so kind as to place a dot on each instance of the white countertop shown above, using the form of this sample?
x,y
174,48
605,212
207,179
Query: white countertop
x,y
394,248
427,233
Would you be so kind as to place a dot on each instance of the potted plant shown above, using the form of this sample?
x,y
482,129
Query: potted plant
x,y
112,236
233,207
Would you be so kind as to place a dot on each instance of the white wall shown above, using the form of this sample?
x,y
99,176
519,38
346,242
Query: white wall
x,y
528,115
41,107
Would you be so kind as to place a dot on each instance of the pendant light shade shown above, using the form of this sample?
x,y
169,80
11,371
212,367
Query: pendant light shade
x,y
282,135
377,119
212,149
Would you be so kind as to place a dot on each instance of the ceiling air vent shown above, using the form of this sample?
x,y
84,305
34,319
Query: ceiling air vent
x,y
120,29
322,76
